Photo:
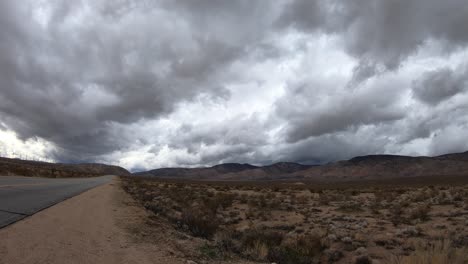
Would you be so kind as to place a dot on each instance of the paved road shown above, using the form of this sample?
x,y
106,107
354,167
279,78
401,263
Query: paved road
x,y
23,196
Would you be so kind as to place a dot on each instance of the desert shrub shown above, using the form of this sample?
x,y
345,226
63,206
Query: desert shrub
x,y
155,207
268,237
214,202
422,195
257,243
212,252
421,212
270,245
387,196
202,223
457,196
304,249
287,255
396,214
363,260
310,244
274,204
262,201
375,206
324,199
228,241
302,199
243,198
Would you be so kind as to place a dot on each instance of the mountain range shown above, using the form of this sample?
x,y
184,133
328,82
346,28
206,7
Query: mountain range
x,y
371,167
362,168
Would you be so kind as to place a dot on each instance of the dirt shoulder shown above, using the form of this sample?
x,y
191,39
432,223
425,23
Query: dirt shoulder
x,y
94,227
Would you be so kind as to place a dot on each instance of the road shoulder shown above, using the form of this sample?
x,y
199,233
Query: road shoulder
x,y
93,227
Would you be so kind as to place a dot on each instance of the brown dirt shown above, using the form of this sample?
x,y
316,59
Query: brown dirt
x,y
90,228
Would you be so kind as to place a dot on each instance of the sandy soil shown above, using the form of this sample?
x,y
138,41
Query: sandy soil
x,y
89,228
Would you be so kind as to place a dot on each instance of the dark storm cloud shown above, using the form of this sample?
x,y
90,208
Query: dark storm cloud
x,y
381,34
70,81
332,147
94,78
436,86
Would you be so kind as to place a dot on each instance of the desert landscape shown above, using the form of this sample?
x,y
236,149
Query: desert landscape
x,y
296,222
234,132
414,211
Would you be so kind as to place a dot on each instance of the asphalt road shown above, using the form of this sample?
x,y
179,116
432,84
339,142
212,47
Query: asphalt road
x,y
23,196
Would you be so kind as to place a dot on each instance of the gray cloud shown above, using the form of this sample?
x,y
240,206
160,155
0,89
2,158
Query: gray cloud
x,y
139,67
238,139
342,110
382,34
202,82
435,86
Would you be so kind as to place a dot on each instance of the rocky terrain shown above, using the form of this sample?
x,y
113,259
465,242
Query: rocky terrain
x,y
373,167
57,170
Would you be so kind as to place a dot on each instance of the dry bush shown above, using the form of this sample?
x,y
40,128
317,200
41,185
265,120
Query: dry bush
x,y
351,206
324,199
214,202
302,199
363,260
201,223
375,207
421,212
396,214
385,195
422,195
256,243
303,249
270,245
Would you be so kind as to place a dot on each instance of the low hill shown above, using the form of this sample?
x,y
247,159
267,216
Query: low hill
x,y
228,171
197,173
57,170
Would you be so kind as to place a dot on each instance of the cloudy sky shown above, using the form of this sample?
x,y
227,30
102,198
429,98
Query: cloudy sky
x,y
148,84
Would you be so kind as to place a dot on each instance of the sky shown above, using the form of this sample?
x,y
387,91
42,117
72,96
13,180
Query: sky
x,y
149,84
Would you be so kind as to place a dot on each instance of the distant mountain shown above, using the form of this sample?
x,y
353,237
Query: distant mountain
x,y
371,167
197,173
57,170
378,167
228,171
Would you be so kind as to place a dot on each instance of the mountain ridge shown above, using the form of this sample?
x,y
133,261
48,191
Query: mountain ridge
x,y
368,167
